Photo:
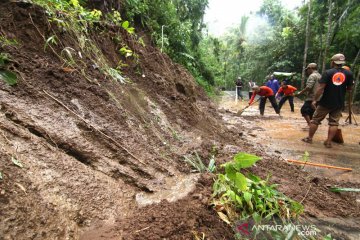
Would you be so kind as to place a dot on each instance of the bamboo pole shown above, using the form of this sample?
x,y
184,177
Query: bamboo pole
x,y
319,165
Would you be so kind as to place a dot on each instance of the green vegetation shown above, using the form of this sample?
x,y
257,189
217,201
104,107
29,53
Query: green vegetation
x,y
198,165
5,74
240,197
4,41
80,23
278,44
176,27
16,162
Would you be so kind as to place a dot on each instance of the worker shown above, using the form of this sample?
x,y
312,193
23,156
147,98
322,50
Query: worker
x,y
251,85
273,83
307,110
239,86
265,93
288,94
332,87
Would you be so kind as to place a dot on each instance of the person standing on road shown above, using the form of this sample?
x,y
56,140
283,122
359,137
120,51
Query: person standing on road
x,y
288,92
273,84
251,85
265,93
239,86
332,86
307,110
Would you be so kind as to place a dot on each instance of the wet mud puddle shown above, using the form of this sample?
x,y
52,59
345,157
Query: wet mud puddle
x,y
172,190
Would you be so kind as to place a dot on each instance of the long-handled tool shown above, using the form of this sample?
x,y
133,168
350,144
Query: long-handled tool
x,y
242,110
319,165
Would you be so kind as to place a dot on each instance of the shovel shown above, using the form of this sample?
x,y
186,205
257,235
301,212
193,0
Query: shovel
x,y
242,110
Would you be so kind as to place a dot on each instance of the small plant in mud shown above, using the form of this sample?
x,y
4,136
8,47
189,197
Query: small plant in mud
x,y
80,23
198,165
239,197
6,74
50,41
305,158
4,41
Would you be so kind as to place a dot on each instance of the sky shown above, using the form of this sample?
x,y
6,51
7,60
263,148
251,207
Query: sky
x,y
222,14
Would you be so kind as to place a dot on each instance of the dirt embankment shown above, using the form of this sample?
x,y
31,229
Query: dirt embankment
x,y
89,145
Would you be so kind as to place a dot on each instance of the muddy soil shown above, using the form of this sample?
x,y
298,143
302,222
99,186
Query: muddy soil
x,y
280,139
86,157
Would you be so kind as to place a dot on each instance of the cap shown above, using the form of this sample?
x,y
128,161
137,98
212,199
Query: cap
x,y
338,58
311,65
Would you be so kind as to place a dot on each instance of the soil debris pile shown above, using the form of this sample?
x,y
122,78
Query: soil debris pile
x,y
80,139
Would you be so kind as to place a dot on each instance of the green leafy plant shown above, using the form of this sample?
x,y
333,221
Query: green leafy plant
x,y
126,25
50,41
305,158
16,162
5,74
328,237
198,165
126,52
4,41
115,74
241,197
114,17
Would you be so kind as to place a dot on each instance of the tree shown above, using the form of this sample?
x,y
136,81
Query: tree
x,y
307,33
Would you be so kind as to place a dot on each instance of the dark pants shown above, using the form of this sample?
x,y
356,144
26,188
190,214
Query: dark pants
x,y
307,109
273,103
291,102
250,95
239,95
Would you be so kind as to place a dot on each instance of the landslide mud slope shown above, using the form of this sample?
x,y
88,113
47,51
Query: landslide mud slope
x,y
98,155
89,144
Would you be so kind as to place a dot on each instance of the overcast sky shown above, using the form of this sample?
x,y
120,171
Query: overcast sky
x,y
222,14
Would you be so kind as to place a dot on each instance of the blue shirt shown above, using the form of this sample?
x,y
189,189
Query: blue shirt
x,y
273,84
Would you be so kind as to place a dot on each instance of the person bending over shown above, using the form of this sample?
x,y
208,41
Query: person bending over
x,y
288,94
265,93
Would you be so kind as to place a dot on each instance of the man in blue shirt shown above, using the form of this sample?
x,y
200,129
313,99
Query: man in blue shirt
x,y
273,84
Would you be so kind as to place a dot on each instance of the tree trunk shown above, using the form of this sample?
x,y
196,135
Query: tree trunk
x,y
307,34
357,77
355,60
328,35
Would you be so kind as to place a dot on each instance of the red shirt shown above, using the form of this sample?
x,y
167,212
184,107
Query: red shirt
x,y
289,91
264,92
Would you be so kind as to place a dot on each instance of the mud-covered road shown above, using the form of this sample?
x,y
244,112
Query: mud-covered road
x,y
283,136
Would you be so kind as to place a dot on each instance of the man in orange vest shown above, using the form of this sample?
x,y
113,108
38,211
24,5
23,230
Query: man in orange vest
x,y
288,91
265,93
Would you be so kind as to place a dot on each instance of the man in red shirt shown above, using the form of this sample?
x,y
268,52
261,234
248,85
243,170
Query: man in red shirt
x,y
288,91
265,93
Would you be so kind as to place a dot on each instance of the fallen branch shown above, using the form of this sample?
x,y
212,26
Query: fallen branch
x,y
306,194
93,127
319,165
